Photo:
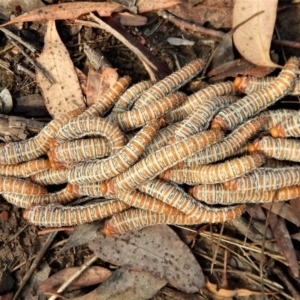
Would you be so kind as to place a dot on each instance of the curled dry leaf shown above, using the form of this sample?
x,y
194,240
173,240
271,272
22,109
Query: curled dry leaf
x,y
65,94
93,275
157,250
253,39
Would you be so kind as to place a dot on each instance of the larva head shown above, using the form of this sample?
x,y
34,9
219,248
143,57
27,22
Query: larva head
x,y
164,175
108,229
274,132
218,124
241,83
72,189
251,148
191,190
27,213
230,185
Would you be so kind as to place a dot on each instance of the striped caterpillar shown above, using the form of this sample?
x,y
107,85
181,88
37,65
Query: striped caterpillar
x,y
66,154
58,216
82,126
229,146
107,168
175,196
25,169
282,149
19,186
33,148
208,174
134,219
138,117
27,201
199,119
266,179
217,194
100,107
196,99
249,84
126,100
50,176
170,83
287,128
157,162
253,103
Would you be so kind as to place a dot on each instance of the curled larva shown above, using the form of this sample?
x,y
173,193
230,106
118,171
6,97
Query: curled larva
x,y
249,84
99,170
170,84
20,186
253,103
33,148
199,119
25,169
196,99
26,201
229,146
66,154
82,126
157,162
100,107
287,128
128,98
139,117
134,219
50,176
265,179
209,174
58,216
283,149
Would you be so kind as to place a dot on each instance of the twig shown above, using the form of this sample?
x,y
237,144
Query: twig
x,y
75,276
35,263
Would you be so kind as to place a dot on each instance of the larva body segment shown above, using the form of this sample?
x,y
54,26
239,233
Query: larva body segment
x,y
287,128
138,199
170,84
266,179
25,169
100,170
196,99
134,219
30,149
100,107
249,84
209,174
217,194
26,201
275,163
68,153
252,104
287,193
50,176
19,186
139,117
229,146
199,119
175,196
58,216
274,117
282,149
82,126
126,100
157,162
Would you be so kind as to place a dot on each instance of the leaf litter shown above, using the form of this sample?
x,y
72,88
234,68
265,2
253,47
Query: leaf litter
x,y
122,275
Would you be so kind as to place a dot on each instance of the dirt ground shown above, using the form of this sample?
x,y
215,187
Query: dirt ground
x,y
19,241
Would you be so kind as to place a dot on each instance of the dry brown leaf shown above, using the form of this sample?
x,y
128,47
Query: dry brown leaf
x,y
151,5
99,82
157,250
126,284
253,39
217,12
295,204
284,242
128,19
93,275
65,93
224,293
71,10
